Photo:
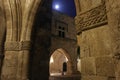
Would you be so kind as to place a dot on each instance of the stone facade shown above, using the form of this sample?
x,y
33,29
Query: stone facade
x,y
66,41
97,24
46,38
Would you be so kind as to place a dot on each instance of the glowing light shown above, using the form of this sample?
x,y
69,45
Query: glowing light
x,y
57,6
66,59
51,60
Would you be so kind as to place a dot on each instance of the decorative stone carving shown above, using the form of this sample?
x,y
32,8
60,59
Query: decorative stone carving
x,y
92,18
16,46
12,46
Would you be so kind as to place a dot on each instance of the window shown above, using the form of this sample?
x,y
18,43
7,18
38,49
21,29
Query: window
x,y
61,32
61,28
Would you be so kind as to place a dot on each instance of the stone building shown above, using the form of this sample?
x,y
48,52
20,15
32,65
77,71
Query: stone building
x,y
63,41
98,36
98,33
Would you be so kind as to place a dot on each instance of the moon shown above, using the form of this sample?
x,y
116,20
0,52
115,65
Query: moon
x,y
57,6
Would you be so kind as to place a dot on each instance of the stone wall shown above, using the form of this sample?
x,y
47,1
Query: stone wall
x,y
67,43
58,18
98,38
113,10
89,4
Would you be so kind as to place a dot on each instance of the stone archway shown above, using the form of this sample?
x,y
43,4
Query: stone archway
x,y
60,56
19,20
19,17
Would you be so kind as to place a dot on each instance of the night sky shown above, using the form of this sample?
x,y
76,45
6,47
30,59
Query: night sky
x,y
65,6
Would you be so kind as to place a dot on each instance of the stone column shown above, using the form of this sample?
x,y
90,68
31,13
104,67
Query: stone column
x,y
16,59
9,69
19,18
113,12
22,72
74,68
96,40
69,68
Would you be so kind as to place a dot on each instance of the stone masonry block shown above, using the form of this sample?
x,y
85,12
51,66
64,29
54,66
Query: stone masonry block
x,y
105,66
88,66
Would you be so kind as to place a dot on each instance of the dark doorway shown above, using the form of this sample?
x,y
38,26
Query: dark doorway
x,y
64,68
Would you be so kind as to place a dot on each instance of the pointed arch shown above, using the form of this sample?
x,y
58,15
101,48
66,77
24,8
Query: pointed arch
x,y
28,18
61,56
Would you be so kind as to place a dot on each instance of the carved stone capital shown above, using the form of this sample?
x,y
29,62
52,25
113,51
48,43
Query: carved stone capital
x,y
12,46
17,46
91,18
25,45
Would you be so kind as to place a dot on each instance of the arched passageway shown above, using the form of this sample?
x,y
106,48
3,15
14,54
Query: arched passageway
x,y
22,51
57,60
